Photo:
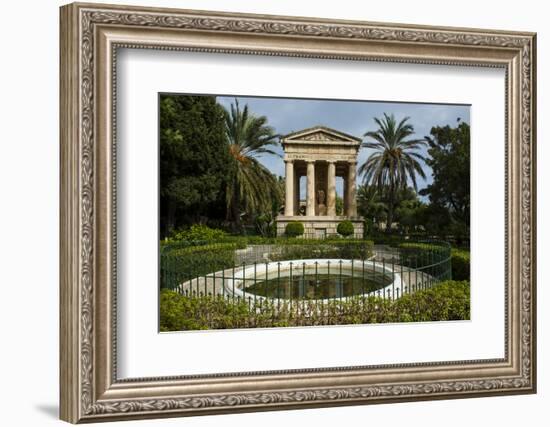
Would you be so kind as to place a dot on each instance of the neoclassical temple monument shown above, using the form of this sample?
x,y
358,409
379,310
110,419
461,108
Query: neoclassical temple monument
x,y
321,154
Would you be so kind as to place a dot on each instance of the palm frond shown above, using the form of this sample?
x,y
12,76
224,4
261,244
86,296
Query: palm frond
x,y
252,187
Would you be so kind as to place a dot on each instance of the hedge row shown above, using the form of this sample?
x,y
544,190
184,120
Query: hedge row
x,y
416,255
361,249
181,264
243,241
460,261
394,239
446,301
202,234
197,232
460,258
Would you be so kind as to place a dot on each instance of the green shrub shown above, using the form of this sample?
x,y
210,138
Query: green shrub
x,y
167,246
181,264
446,301
419,254
322,249
345,228
294,229
266,225
243,241
182,313
418,246
355,249
198,232
368,228
386,239
460,258
460,262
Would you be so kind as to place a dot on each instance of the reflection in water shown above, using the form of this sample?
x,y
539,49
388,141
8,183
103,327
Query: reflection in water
x,y
317,286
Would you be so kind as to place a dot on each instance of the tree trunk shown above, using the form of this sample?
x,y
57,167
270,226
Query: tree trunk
x,y
233,213
390,210
170,217
390,220
236,217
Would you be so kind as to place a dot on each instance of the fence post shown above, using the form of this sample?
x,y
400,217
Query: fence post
x,y
290,285
255,286
278,286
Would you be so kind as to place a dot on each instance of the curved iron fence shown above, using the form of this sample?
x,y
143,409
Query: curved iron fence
x,y
346,268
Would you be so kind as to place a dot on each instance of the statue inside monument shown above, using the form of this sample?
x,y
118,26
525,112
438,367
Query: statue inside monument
x,y
321,206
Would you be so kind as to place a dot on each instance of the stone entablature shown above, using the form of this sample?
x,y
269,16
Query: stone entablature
x,y
321,154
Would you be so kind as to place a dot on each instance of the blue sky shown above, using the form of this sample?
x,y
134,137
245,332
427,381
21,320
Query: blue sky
x,y
287,115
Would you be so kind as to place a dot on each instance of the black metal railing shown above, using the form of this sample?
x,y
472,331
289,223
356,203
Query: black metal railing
x,y
311,282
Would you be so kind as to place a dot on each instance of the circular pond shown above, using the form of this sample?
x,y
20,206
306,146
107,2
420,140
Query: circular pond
x,y
313,279
317,286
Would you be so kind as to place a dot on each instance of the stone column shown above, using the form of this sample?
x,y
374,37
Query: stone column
x,y
296,192
352,202
289,188
345,194
310,208
331,189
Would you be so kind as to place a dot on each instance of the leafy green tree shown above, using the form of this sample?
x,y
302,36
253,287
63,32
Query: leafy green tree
x,y
449,151
266,225
277,202
410,216
371,203
339,205
408,210
435,219
395,160
251,187
193,160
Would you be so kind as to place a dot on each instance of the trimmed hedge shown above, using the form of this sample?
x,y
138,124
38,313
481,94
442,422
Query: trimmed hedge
x,y
394,239
419,254
345,228
181,264
294,229
418,246
446,301
243,241
183,260
460,261
315,249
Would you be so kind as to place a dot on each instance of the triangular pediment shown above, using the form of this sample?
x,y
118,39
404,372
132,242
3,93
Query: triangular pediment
x,y
320,133
321,136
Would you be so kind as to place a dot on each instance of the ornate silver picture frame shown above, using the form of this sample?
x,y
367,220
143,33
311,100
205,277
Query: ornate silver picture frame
x,y
91,34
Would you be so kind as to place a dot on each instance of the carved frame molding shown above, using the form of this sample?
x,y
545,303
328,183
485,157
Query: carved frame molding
x,y
90,36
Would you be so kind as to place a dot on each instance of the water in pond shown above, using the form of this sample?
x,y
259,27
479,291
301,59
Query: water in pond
x,y
317,286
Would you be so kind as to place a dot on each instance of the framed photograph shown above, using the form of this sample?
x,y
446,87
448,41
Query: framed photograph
x,y
267,212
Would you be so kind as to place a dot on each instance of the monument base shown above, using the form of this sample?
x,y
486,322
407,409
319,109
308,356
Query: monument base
x,y
320,227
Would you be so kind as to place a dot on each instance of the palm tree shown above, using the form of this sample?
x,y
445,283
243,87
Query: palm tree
x,y
395,159
251,187
371,204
